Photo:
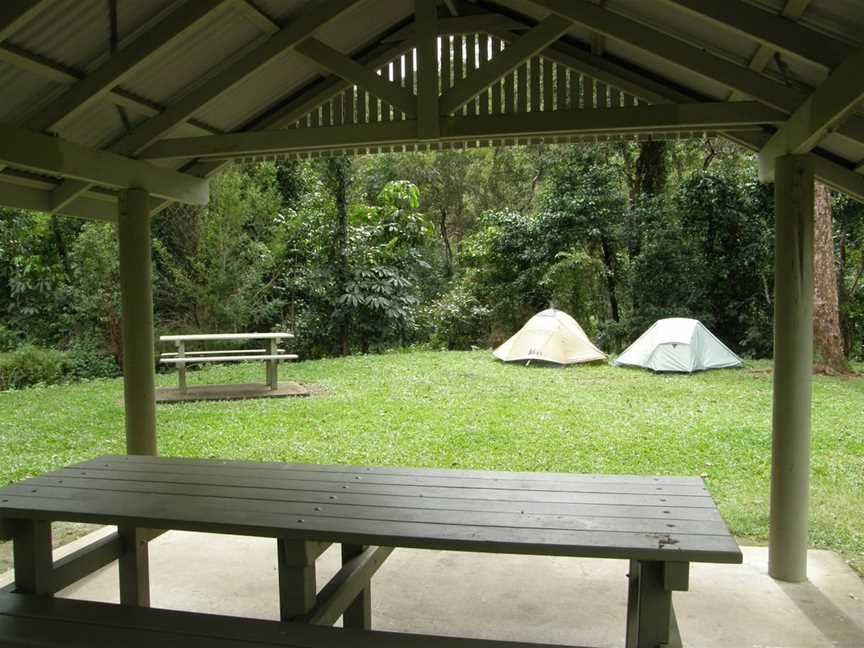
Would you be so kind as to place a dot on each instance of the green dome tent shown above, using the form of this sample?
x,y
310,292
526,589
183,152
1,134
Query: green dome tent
x,y
678,344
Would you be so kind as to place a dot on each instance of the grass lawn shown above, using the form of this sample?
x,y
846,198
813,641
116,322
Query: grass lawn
x,y
463,409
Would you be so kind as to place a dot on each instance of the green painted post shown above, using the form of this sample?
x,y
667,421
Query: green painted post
x,y
136,295
793,366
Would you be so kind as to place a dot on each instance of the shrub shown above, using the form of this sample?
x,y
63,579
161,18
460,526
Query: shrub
x,y
456,320
9,339
87,359
30,365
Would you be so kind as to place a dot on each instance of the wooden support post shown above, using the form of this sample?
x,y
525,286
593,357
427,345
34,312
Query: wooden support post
x,y
297,585
793,366
136,296
33,557
273,365
651,619
359,613
134,567
181,367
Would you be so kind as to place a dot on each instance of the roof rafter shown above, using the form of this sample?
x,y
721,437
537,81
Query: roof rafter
x,y
468,24
199,98
358,74
777,32
688,57
14,14
24,149
829,105
62,74
792,11
536,40
125,63
202,96
830,172
256,16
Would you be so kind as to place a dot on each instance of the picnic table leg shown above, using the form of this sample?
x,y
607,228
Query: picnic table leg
x,y
181,366
33,560
359,613
297,585
134,567
651,619
273,365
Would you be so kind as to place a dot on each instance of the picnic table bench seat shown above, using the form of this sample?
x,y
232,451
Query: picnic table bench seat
x,y
27,620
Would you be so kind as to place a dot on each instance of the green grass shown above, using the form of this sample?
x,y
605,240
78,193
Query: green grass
x,y
466,410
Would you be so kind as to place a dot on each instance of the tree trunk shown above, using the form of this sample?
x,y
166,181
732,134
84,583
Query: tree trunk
x,y
448,250
827,338
609,263
651,169
60,242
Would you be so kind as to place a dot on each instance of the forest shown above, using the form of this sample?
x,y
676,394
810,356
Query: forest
x,y
444,249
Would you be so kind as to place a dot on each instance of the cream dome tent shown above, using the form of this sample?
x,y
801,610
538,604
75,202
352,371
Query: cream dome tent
x,y
550,336
678,344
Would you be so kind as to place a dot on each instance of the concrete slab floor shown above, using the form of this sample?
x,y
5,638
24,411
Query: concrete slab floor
x,y
556,600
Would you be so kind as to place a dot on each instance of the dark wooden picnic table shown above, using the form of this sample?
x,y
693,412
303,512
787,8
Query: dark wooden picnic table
x,y
659,524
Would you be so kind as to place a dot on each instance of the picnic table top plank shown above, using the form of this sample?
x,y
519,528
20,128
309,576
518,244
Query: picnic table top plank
x,y
514,519
587,494
387,470
360,499
225,336
648,486
399,516
143,512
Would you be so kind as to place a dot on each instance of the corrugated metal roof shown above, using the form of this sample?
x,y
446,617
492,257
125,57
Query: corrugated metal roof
x,y
75,34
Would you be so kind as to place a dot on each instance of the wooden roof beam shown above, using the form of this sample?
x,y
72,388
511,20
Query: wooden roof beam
x,y
793,10
23,197
468,24
123,64
662,117
14,14
777,32
688,57
216,86
358,74
53,156
832,102
200,97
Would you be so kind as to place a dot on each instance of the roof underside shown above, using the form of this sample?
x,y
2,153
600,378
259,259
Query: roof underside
x,y
60,44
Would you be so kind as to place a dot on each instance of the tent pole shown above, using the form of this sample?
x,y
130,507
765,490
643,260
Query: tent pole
x,y
793,366
136,293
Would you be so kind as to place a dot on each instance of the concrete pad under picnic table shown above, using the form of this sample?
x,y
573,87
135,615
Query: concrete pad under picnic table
x,y
539,599
238,391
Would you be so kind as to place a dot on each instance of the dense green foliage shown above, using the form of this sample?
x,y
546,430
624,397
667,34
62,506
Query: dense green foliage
x,y
465,410
451,249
